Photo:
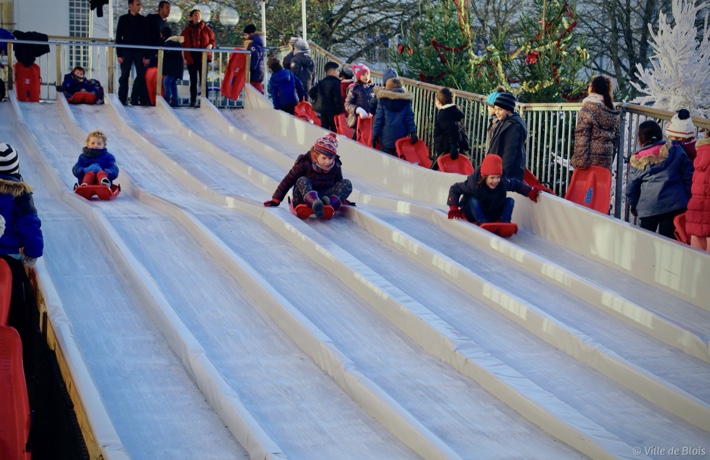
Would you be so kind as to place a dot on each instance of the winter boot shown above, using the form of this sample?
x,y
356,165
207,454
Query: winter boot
x,y
325,200
311,199
102,178
334,202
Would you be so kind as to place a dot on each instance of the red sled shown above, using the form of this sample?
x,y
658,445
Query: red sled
x,y
303,211
679,232
530,179
235,76
591,188
461,165
82,97
304,111
364,131
151,81
417,153
502,229
341,125
27,82
102,192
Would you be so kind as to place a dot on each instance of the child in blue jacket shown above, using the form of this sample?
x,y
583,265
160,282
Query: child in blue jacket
x,y
75,82
286,90
95,164
483,196
394,118
21,244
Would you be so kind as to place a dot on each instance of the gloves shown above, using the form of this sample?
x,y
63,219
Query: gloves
x,y
455,212
633,211
93,168
414,138
29,261
533,193
272,203
375,141
362,113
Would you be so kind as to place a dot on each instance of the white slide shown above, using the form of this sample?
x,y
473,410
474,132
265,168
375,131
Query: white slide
x,y
200,324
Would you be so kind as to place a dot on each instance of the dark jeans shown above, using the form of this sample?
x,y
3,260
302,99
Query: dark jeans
x,y
195,70
662,222
474,212
328,122
139,92
341,189
288,108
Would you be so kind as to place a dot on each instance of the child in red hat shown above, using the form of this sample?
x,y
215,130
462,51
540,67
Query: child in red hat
x,y
316,178
482,197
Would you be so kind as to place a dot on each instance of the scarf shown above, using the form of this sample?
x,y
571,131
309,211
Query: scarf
x,y
594,97
196,35
320,169
93,153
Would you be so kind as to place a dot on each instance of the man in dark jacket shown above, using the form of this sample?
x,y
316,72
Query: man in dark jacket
x,y
131,30
156,22
326,96
509,137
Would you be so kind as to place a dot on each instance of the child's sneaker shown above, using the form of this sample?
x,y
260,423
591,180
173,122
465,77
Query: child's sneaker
x,y
106,182
84,184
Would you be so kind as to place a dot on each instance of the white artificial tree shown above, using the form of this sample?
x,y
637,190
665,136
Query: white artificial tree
x,y
679,73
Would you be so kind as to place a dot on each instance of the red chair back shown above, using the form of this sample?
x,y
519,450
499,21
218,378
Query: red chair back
x,y
304,111
15,415
364,130
5,291
341,125
679,232
414,153
461,165
591,188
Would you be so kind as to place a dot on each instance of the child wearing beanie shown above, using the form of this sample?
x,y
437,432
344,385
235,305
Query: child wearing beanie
x,y
449,132
509,135
316,178
682,130
21,244
492,119
482,197
360,101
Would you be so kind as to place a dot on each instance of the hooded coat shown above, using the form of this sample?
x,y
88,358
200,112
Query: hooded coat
x,y
22,224
285,89
258,55
447,131
660,177
304,167
394,118
596,135
509,143
302,65
697,218
173,62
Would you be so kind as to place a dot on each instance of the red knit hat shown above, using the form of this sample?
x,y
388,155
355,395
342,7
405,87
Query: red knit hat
x,y
492,165
359,70
327,145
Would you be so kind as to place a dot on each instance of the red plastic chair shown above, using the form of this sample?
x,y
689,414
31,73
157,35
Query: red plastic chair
x,y
364,131
591,188
414,153
5,291
679,232
341,125
304,111
15,416
28,82
461,165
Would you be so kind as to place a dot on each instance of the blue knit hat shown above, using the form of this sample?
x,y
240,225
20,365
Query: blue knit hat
x,y
491,99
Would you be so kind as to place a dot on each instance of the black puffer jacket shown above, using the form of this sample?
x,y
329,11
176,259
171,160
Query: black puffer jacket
x,y
509,143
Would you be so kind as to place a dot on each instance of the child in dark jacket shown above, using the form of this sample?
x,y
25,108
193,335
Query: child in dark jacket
x,y
394,118
482,197
75,82
21,244
172,65
660,179
285,89
316,178
448,125
360,101
326,96
95,164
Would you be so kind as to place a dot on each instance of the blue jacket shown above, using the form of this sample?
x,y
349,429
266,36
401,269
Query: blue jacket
x,y
285,89
101,157
394,118
258,54
660,177
492,200
22,224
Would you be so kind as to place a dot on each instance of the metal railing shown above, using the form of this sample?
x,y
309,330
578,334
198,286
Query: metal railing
x,y
100,56
550,142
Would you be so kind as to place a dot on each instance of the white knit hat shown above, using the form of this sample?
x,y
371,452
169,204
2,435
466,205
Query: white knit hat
x,y
9,161
681,125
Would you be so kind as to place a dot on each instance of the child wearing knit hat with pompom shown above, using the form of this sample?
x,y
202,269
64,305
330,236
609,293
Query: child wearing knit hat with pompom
x,y
360,101
483,196
682,130
316,178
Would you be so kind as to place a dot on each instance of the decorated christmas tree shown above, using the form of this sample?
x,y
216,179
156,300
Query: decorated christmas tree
x,y
680,65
